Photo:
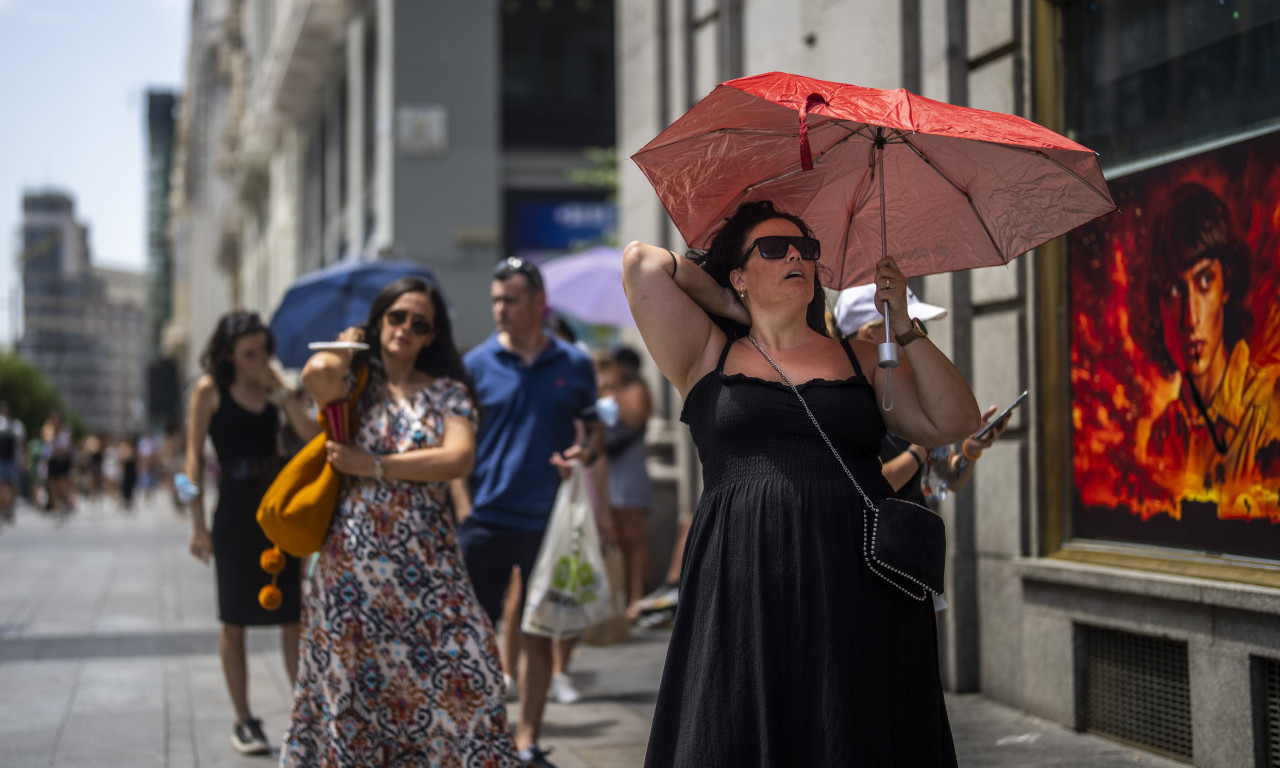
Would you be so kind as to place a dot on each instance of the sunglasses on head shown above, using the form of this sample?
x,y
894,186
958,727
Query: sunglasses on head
x,y
776,247
244,321
514,265
419,325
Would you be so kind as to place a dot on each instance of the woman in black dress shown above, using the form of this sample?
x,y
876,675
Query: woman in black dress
x,y
786,649
237,404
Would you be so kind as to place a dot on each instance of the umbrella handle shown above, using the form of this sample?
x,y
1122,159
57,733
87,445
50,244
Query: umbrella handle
x,y
888,361
888,350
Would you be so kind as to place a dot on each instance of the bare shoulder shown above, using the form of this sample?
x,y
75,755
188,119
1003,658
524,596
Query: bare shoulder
x,y
205,390
204,401
868,355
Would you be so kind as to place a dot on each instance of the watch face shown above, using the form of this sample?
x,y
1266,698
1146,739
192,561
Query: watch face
x,y
920,326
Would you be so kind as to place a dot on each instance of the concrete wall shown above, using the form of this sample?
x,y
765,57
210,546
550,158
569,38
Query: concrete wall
x,y
447,201
1012,628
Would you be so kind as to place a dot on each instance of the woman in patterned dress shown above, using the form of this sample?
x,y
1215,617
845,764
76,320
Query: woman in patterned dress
x,y
399,665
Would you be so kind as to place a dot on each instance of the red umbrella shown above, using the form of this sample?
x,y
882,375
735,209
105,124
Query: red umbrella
x,y
959,187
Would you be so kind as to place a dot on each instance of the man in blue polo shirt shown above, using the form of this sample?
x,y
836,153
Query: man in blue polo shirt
x,y
531,387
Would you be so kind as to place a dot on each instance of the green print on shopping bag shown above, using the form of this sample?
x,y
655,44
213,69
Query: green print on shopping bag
x,y
575,577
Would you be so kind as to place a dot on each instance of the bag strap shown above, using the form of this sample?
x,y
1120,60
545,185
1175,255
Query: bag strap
x,y
868,530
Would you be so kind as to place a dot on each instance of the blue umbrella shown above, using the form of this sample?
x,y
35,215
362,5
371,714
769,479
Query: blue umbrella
x,y
319,305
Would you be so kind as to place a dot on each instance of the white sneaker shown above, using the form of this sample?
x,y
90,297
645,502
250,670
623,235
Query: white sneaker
x,y
510,691
562,690
248,739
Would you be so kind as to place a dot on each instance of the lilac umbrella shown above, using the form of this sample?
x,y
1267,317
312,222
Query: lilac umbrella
x,y
588,286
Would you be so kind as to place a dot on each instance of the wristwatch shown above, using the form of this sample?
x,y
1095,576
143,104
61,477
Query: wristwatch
x,y
918,331
377,467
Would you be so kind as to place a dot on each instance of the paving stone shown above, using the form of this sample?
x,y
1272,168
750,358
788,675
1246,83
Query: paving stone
x,y
109,657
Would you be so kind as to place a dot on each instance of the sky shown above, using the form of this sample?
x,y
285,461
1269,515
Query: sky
x,y
73,81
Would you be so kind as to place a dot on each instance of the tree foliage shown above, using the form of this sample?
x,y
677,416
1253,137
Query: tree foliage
x,y
30,396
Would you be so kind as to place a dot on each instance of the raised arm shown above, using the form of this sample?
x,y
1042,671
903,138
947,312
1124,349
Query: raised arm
x,y
325,373
301,422
671,300
932,403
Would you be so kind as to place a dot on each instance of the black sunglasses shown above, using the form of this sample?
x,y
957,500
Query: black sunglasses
x,y
419,324
514,265
776,247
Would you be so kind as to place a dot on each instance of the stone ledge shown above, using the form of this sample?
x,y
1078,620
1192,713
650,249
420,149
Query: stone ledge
x,y
1143,583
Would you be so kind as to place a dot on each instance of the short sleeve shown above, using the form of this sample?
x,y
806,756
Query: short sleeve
x,y
455,400
587,408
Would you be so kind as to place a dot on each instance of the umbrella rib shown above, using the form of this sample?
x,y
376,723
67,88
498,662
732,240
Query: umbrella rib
x,y
816,160
726,129
1041,154
964,194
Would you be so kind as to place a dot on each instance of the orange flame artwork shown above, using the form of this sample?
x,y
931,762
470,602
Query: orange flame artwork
x,y
1175,356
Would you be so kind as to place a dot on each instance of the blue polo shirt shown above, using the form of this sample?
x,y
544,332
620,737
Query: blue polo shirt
x,y
527,414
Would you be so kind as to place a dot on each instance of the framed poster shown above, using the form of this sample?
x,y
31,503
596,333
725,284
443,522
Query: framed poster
x,y
1175,357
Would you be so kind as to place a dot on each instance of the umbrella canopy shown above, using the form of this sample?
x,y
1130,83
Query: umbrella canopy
x,y
959,188
588,286
321,304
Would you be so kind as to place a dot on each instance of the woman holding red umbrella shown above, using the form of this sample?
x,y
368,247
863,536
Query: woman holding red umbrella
x,y
787,649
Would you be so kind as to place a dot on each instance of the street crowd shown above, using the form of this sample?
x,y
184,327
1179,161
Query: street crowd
x,y
54,471
408,631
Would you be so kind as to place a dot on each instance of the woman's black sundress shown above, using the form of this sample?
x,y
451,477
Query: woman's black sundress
x,y
247,445
787,650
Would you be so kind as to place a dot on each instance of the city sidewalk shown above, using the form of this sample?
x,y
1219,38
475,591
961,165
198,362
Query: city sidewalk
x,y
109,657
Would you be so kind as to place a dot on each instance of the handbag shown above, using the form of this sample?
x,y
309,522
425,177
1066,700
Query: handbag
x,y
568,589
903,542
296,509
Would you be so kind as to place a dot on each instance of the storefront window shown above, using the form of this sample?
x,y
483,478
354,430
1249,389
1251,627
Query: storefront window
x,y
1174,334
1148,76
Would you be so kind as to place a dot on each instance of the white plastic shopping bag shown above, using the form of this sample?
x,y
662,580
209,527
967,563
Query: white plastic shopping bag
x,y
568,589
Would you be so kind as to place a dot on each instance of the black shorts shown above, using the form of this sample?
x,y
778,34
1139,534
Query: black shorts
x,y
59,466
490,551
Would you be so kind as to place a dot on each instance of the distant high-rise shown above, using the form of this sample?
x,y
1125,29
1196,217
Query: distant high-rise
x,y
162,380
84,328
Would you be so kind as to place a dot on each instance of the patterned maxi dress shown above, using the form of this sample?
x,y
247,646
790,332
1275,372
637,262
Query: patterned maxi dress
x,y
399,665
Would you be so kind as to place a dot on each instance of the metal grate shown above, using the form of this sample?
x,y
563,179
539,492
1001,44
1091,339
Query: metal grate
x,y
1137,689
1267,677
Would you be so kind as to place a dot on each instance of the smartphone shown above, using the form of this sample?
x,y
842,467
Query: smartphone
x,y
999,417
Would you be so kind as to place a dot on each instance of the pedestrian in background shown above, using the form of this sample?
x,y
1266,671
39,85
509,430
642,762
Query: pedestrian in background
x,y
57,465
531,387
13,437
630,488
787,649
903,462
127,455
399,664
237,404
91,454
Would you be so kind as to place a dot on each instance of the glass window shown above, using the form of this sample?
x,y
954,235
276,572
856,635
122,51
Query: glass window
x,y
557,73
1148,76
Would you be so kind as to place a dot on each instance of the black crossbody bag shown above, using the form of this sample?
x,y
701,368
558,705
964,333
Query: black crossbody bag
x,y
903,543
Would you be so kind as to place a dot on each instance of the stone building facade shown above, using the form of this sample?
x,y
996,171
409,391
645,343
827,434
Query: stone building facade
x,y
1171,648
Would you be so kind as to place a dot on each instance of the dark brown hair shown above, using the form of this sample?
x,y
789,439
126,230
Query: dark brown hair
x,y
440,357
727,254
216,360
